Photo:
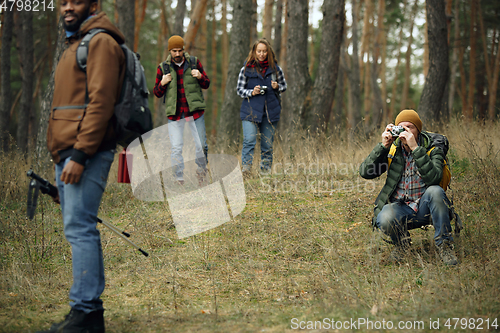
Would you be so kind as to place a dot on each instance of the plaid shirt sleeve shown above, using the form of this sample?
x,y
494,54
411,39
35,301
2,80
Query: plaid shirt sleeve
x,y
242,83
159,90
280,77
204,81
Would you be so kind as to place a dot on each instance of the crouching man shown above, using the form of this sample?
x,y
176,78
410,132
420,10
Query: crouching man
x,y
411,197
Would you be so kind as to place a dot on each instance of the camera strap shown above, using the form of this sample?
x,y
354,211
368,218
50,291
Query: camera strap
x,y
33,190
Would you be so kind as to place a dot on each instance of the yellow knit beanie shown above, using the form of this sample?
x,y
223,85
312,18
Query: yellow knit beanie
x,y
411,116
175,42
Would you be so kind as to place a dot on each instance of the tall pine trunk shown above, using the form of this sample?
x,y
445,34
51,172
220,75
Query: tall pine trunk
x,y
430,104
354,114
229,130
42,154
277,29
5,98
25,35
298,79
326,81
267,20
454,59
196,20
126,19
180,13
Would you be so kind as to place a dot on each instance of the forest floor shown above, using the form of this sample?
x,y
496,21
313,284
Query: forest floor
x,y
301,255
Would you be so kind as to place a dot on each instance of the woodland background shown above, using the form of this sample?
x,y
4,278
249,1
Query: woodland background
x,y
349,70
304,246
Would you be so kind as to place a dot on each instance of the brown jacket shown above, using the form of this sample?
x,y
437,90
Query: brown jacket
x,y
76,129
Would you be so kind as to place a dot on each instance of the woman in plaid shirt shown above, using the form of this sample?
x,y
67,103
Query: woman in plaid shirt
x,y
260,84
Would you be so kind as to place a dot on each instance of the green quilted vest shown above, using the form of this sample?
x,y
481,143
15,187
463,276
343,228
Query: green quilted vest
x,y
192,88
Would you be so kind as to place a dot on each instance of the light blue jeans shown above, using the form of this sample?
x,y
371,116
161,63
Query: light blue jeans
x,y
250,131
176,135
397,218
80,203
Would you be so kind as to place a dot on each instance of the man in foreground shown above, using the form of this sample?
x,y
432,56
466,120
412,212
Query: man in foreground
x,y
411,197
82,143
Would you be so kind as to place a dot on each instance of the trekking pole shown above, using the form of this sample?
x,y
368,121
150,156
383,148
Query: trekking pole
x,y
39,183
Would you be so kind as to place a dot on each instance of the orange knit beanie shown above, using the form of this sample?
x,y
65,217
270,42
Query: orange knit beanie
x,y
175,42
411,116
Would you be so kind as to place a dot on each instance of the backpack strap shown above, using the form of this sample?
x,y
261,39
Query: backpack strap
x,y
390,156
194,62
82,50
165,68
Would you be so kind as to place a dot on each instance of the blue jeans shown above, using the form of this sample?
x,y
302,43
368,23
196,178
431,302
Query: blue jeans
x,y
80,203
250,131
397,218
176,134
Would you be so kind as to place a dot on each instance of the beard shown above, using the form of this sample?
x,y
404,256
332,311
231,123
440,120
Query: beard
x,y
75,26
178,59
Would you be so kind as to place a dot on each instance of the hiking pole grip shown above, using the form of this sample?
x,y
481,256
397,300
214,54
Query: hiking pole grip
x,y
45,186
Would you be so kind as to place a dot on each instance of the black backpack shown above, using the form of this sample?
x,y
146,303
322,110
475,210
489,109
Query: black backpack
x,y
132,116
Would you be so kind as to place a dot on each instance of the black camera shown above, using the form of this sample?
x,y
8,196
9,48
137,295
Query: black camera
x,y
396,130
263,90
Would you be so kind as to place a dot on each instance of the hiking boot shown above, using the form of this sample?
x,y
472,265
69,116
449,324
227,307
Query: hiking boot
x,y
447,253
246,171
77,321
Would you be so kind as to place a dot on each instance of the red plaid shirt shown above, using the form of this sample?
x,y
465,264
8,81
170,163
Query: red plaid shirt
x,y
182,108
411,187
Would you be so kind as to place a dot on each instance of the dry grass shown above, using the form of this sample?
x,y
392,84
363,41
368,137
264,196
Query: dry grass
x,y
299,250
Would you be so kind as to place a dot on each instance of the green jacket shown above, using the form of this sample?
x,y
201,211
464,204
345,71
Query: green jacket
x,y
430,167
192,88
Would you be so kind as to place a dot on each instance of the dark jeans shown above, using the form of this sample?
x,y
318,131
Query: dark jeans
x,y
397,218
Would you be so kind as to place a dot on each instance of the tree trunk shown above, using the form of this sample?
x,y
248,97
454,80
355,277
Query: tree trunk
x,y
160,117
491,73
284,41
26,50
430,101
472,63
139,19
228,133
7,29
312,55
267,20
426,48
126,19
180,13
392,107
194,24
329,55
493,96
298,79
42,155
454,59
365,44
354,117
378,102
213,81
382,45
277,29
225,45
254,35
406,86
